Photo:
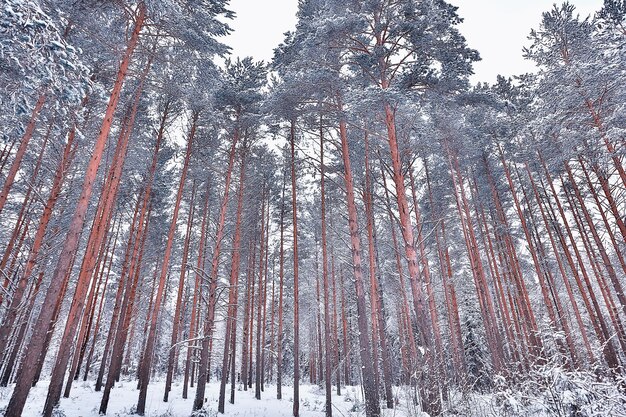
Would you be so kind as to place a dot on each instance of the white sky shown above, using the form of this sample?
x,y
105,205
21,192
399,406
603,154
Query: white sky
x,y
498,29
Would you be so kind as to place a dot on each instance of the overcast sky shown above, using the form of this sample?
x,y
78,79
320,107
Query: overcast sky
x,y
498,29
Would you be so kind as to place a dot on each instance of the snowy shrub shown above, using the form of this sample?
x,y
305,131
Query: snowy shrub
x,y
127,413
57,412
168,413
358,406
550,389
204,412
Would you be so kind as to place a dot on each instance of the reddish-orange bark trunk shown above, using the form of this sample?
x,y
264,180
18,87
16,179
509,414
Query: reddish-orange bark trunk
x,y
372,405
21,151
36,347
231,318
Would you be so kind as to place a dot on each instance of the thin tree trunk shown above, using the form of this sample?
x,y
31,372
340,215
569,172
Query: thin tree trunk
x,y
246,312
179,298
621,296
296,292
281,286
195,300
119,299
53,196
101,306
454,321
605,220
259,310
264,326
402,285
328,408
11,359
21,224
561,267
344,329
21,151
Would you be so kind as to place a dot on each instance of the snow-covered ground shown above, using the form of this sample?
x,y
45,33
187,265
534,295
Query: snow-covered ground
x,y
85,402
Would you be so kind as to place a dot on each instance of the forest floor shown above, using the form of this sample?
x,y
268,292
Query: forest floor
x,y
84,401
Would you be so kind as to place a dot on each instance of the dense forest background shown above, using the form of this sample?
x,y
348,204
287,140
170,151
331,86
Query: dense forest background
x,y
353,213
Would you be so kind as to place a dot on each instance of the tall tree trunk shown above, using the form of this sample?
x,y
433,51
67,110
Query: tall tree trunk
x,y
549,279
372,401
434,317
281,286
179,299
104,213
266,270
246,312
296,292
344,330
328,408
36,348
20,332
431,402
260,300
231,318
196,296
336,355
536,345
598,272
89,313
454,321
408,326
114,340
21,224
203,369
151,340
379,335
605,220
119,299
564,275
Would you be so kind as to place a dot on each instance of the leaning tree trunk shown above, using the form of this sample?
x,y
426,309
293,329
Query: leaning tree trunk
x,y
36,346
104,213
46,215
21,151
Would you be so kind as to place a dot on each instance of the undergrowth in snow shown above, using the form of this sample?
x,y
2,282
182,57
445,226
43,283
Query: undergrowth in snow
x,y
85,402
